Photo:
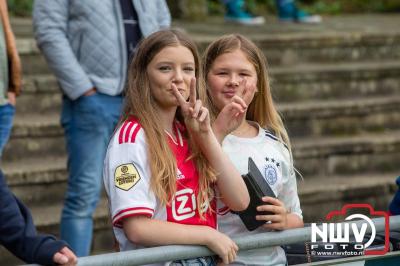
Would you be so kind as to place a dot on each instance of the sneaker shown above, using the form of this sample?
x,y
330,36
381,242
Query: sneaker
x,y
288,12
244,18
235,12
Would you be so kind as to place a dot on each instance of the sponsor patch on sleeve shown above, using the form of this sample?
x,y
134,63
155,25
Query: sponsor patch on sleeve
x,y
126,176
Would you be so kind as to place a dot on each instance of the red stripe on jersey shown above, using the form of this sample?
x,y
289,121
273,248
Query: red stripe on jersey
x,y
123,214
135,132
128,131
121,133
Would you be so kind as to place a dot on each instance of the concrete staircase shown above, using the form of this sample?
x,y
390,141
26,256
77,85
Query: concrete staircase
x,y
337,86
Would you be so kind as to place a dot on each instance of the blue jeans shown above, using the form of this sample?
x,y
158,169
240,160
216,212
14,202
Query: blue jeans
x,y
88,123
201,261
6,120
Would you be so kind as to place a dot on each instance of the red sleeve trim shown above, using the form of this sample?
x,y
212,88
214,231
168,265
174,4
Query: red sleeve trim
x,y
123,214
223,210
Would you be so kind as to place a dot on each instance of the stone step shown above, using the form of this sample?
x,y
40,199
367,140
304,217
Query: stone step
x,y
35,136
319,196
369,152
42,179
341,117
332,41
33,62
298,83
317,199
40,94
286,49
298,48
378,151
302,119
22,27
47,217
338,38
335,81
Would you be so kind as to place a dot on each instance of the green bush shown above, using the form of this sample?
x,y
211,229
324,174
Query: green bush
x,y
350,6
336,6
260,7
20,7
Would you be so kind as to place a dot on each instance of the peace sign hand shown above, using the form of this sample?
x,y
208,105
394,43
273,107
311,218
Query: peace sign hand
x,y
246,91
233,114
196,116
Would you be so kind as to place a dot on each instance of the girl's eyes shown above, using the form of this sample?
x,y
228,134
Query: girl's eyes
x,y
244,74
226,73
188,69
169,68
164,68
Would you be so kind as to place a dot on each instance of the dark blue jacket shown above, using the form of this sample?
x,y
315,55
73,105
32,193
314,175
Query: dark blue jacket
x,y
18,233
394,206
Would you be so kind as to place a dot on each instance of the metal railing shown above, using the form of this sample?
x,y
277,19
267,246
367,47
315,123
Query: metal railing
x,y
174,252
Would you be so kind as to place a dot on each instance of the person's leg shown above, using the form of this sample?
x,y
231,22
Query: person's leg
x,y
88,123
6,120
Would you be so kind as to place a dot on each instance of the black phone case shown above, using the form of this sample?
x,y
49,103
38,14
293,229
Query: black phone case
x,y
258,188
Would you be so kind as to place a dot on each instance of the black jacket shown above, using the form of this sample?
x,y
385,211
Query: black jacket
x,y
18,233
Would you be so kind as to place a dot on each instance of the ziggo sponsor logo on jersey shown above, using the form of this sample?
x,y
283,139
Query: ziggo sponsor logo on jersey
x,y
184,205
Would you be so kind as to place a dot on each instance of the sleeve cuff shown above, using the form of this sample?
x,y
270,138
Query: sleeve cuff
x,y
130,212
224,210
47,250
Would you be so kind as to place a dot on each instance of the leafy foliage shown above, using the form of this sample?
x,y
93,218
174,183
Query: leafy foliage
x,y
20,7
262,7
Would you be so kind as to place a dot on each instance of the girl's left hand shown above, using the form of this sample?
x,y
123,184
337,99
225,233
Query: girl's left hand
x,y
196,116
278,220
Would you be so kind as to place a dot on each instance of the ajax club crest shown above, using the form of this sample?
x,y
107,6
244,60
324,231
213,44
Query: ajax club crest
x,y
271,171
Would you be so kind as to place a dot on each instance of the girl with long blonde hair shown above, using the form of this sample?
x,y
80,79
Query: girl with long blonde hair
x,y
164,162
236,78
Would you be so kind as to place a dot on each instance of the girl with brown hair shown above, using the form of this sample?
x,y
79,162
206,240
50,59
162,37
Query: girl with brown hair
x,y
164,160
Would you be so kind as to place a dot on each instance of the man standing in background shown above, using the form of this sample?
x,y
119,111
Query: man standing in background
x,y
87,44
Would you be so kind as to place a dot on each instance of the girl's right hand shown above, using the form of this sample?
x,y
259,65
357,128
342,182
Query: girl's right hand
x,y
229,118
234,113
222,245
197,118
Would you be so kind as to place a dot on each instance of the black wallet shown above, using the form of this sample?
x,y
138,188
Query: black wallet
x,y
258,187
